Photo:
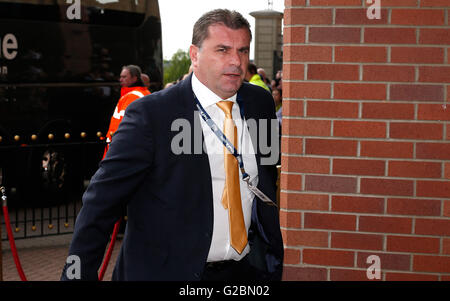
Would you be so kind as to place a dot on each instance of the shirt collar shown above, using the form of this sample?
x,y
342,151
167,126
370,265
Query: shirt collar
x,y
205,96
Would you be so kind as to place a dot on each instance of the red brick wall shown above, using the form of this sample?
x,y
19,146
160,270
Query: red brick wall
x,y
366,140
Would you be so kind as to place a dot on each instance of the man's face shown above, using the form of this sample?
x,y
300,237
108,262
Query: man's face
x,y
221,62
276,96
126,80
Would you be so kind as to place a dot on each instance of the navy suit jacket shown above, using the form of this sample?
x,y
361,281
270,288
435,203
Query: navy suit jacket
x,y
168,196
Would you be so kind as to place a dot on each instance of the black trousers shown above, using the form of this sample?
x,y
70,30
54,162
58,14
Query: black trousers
x,y
231,270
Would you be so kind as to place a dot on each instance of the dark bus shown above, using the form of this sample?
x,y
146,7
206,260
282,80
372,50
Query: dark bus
x,y
60,62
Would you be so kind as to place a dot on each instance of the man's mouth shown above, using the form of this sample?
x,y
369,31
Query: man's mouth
x,y
233,74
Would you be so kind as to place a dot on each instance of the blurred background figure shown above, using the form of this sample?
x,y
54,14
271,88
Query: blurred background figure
x,y
277,82
263,75
168,85
278,99
145,80
130,76
132,88
253,77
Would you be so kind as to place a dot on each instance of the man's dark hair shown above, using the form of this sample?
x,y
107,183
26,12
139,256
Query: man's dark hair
x,y
252,69
135,71
231,19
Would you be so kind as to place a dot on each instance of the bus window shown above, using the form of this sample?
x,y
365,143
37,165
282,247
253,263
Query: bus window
x,y
119,5
33,10
95,12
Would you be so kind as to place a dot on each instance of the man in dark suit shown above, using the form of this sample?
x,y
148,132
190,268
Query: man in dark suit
x,y
180,203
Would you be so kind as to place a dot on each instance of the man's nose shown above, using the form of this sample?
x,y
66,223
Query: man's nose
x,y
235,58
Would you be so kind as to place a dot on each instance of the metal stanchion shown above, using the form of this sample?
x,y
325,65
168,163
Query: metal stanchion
x,y
11,235
1,250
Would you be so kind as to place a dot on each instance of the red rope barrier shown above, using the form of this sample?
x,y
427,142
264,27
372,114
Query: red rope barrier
x,y
13,244
14,249
110,250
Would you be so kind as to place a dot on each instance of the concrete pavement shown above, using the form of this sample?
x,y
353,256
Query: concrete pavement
x,y
43,258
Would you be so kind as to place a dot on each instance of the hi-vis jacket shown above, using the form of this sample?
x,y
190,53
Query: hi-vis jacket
x,y
129,94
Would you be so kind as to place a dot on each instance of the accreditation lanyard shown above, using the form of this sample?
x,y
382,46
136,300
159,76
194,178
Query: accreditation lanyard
x,y
229,146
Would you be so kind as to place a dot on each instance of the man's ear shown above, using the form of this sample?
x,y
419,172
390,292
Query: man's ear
x,y
193,53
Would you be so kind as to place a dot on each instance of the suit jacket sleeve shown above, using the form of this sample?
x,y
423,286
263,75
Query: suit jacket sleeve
x,y
121,171
269,214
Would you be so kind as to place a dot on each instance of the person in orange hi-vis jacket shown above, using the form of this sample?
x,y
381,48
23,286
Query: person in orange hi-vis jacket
x,y
132,89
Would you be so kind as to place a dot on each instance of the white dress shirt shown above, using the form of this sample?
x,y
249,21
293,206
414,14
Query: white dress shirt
x,y
220,245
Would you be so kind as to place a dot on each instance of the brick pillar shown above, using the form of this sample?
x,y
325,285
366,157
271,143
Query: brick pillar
x,y
366,140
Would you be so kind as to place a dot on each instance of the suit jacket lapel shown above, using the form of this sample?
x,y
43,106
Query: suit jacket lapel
x,y
250,112
189,111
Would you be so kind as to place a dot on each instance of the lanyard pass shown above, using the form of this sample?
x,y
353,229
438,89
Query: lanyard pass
x,y
221,136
